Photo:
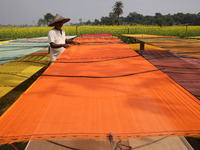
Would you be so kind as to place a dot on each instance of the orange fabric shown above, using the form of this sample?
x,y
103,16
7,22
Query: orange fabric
x,y
97,35
104,87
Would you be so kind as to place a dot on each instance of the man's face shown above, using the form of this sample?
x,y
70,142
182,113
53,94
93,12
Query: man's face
x,y
58,25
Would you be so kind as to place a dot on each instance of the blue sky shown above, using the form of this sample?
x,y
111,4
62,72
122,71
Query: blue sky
x,y
19,12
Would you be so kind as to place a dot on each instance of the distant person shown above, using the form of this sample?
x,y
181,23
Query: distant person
x,y
56,37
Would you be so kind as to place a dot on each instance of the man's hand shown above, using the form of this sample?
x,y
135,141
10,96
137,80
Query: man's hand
x,y
76,43
71,42
66,45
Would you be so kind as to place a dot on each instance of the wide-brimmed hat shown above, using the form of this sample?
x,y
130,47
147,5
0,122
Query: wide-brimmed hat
x,y
57,19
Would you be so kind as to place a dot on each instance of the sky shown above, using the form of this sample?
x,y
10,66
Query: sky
x,y
21,12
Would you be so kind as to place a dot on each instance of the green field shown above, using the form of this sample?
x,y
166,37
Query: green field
x,y
12,32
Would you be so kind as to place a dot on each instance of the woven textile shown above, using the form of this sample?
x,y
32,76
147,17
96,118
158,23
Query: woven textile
x,y
98,87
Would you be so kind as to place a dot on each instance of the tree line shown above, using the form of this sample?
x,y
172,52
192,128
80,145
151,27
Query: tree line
x,y
158,19
133,18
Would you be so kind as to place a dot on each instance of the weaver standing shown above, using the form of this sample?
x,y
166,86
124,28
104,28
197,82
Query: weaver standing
x,y
56,37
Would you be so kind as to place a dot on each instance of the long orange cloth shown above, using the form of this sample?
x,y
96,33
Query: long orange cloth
x,y
103,87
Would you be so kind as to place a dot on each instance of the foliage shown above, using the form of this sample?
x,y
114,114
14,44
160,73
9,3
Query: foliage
x,y
113,19
140,29
13,32
41,22
160,22
46,20
158,19
118,8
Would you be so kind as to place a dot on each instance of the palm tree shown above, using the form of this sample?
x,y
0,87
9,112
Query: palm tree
x,y
118,8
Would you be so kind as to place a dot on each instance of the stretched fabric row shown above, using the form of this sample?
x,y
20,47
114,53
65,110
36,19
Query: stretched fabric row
x,y
98,87
188,47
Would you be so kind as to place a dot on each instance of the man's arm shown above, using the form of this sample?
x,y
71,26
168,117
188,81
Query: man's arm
x,y
54,45
71,42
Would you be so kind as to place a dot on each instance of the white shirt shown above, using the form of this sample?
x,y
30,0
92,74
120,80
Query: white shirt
x,y
58,38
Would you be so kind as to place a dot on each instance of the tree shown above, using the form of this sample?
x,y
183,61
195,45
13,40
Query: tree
x,y
48,18
113,19
105,20
97,22
160,22
179,18
169,21
88,22
41,22
158,15
131,18
80,20
134,18
118,8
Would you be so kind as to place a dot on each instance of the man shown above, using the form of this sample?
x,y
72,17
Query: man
x,y
56,37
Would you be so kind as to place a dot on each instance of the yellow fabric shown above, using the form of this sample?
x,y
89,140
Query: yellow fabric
x,y
14,73
4,90
194,37
145,36
30,69
1,42
187,47
147,47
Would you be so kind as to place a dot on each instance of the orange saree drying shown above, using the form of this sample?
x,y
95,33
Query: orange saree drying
x,y
98,87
